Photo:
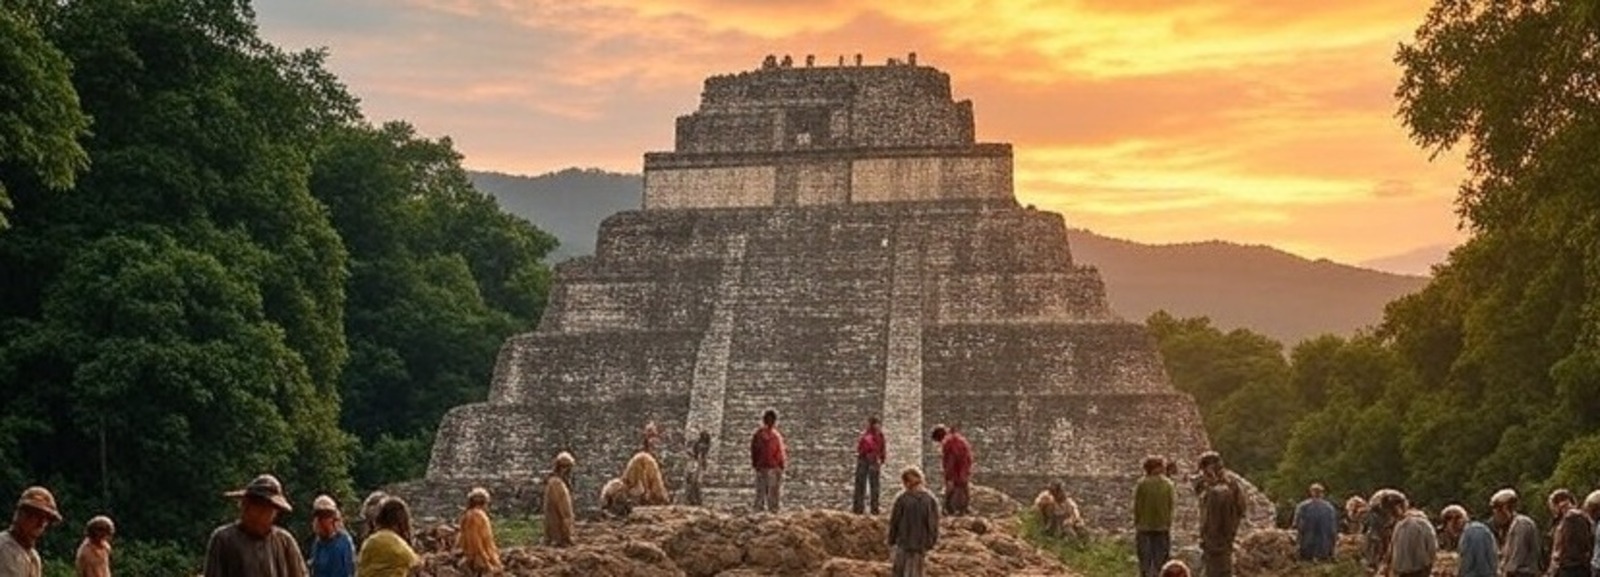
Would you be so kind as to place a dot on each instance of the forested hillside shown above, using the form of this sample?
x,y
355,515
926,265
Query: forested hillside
x,y
215,267
1490,376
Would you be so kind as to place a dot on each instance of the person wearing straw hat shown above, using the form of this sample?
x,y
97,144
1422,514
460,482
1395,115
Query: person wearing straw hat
x,y
254,546
35,512
94,553
333,552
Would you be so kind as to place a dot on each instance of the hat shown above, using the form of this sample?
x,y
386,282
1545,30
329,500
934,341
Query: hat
x,y
1453,512
324,504
1503,496
102,522
1593,500
1209,458
478,495
264,487
40,499
565,459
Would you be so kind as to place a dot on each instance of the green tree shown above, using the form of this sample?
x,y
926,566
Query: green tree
x,y
176,325
440,276
40,120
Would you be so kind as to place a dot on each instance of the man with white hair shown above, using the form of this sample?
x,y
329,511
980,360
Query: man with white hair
x,y
1519,554
1414,543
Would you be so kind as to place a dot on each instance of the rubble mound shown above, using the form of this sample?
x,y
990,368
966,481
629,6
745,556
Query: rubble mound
x,y
1272,552
693,542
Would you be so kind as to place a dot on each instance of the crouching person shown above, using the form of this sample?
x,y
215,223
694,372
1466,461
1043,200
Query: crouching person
x,y
913,525
1058,512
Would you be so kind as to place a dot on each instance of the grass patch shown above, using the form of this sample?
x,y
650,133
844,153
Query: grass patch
x,y
1343,568
518,531
1092,557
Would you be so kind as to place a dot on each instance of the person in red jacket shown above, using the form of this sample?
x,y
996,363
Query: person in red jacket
x,y
956,455
871,450
768,457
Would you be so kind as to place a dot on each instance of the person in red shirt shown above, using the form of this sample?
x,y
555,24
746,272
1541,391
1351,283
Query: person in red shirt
x,y
956,455
871,450
768,457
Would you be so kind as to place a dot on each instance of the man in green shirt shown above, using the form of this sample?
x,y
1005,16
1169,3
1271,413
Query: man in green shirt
x,y
1153,501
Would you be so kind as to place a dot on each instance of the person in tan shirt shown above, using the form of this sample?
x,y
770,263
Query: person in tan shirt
x,y
477,535
94,554
558,519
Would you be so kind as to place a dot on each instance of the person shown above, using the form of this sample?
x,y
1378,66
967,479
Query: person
x,y
1591,507
333,553
1478,550
35,512
369,514
1572,544
1452,521
479,552
913,525
1316,525
1519,553
956,456
1414,544
872,449
651,437
699,452
558,518
1378,527
614,499
1223,507
1355,512
644,482
1154,500
254,546
94,553
1175,568
768,456
387,552
1058,511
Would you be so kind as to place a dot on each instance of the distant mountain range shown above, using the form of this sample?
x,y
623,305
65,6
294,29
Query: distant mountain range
x,y
1261,288
1417,261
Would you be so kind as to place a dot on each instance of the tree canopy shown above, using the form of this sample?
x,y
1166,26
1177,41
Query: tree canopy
x,y
231,273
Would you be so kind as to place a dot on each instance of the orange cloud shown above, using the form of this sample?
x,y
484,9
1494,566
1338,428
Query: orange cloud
x,y
1158,121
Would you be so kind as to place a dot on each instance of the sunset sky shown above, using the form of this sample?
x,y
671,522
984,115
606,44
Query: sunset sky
x,y
1255,122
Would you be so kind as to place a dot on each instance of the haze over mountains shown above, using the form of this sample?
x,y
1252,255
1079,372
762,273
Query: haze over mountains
x,y
1261,288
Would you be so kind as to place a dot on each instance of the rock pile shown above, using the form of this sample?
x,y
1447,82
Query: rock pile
x,y
1271,553
692,542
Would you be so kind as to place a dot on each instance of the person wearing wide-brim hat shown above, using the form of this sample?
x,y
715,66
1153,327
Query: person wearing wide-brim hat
x,y
35,512
254,546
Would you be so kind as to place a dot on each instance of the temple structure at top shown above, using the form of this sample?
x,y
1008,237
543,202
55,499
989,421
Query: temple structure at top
x,y
797,136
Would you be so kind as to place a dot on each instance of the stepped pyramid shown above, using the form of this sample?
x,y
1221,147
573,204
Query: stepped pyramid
x,y
830,242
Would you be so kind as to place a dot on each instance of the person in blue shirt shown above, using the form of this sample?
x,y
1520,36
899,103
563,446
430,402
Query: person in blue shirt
x,y
1478,549
1316,524
333,553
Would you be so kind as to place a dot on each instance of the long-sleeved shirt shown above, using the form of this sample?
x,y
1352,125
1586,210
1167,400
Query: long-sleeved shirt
x,y
872,446
1154,498
1415,544
334,556
1573,545
914,521
234,552
477,540
18,560
1520,552
1316,524
1478,551
956,455
767,450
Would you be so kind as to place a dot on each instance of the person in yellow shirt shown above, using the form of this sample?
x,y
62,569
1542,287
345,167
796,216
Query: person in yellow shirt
x,y
387,552
477,536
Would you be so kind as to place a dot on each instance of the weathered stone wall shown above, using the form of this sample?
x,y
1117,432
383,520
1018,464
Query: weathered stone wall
x,y
673,181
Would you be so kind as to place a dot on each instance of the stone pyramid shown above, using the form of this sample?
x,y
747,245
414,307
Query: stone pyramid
x,y
830,242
